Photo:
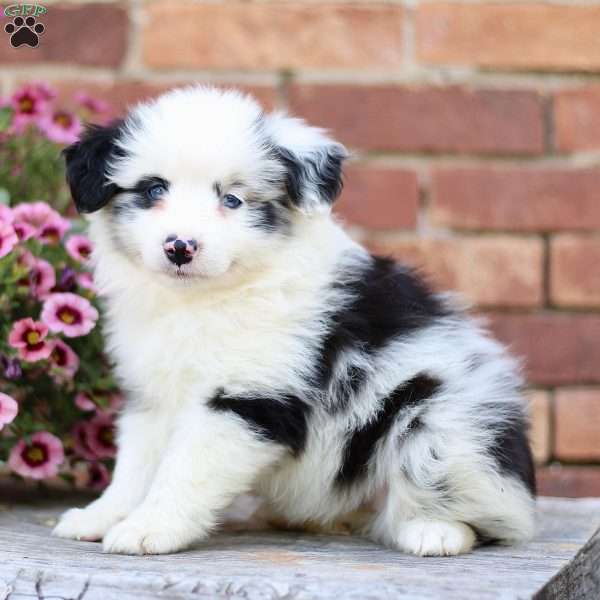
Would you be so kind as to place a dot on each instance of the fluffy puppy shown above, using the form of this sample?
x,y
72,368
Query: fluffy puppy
x,y
262,349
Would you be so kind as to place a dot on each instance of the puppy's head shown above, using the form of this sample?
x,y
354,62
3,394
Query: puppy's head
x,y
201,180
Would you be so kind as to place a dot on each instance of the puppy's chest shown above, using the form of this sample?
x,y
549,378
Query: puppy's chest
x,y
195,350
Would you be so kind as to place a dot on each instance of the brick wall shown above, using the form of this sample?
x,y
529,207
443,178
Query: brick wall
x,y
475,128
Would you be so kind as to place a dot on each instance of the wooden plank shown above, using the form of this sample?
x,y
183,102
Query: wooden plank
x,y
580,578
292,566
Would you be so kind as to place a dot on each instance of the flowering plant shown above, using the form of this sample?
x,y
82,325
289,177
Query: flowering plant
x,y
32,131
57,397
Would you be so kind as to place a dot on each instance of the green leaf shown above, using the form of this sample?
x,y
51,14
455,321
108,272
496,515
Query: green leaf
x,y
4,196
5,117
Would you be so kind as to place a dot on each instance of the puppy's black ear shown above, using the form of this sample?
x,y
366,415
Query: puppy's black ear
x,y
312,161
87,162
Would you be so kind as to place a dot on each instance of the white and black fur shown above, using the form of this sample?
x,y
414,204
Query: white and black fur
x,y
283,358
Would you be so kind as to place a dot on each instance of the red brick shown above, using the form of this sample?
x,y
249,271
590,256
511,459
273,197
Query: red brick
x,y
244,35
517,199
577,119
83,34
426,119
512,36
558,348
489,271
124,94
539,433
575,270
577,424
569,482
379,198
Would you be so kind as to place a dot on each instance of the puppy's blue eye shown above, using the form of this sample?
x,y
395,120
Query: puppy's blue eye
x,y
231,201
156,191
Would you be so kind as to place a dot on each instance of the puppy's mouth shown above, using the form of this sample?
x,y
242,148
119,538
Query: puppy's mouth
x,y
181,273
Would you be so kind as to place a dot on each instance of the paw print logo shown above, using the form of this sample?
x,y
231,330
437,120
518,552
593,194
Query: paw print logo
x,y
24,32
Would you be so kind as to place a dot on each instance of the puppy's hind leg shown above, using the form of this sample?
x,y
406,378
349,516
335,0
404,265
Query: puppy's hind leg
x,y
429,537
418,514
434,505
142,438
411,524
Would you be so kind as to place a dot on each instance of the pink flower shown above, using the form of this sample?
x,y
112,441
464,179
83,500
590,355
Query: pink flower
x,y
105,403
79,247
86,281
8,409
95,438
6,214
34,213
61,127
101,436
48,226
69,314
41,278
53,230
92,104
24,230
93,475
8,238
29,104
28,336
99,476
65,359
38,459
80,433
84,402
44,90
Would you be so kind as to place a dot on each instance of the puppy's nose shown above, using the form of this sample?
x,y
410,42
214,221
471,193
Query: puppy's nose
x,y
178,251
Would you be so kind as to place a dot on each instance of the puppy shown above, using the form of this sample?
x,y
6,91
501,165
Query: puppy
x,y
262,349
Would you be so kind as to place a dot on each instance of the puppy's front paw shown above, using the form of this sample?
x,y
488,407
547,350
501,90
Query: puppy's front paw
x,y
139,536
435,538
89,524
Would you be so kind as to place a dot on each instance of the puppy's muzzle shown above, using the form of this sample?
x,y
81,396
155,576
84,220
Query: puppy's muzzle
x,y
178,251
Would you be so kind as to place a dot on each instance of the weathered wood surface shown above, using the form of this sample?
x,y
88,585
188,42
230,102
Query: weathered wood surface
x,y
292,566
579,578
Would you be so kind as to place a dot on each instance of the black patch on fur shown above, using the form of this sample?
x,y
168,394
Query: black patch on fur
x,y
388,302
349,384
269,217
282,420
140,198
361,445
512,452
355,377
86,162
321,169
415,425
